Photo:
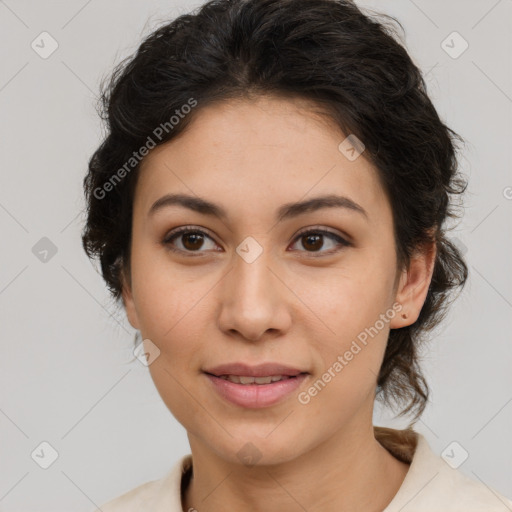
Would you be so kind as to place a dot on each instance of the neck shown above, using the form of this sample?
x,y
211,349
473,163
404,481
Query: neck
x,y
335,475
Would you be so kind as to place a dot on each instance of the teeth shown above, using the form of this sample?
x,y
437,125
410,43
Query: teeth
x,y
241,379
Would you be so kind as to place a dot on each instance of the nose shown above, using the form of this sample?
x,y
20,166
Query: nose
x,y
253,300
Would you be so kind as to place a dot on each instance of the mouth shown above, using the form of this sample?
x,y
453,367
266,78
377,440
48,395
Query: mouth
x,y
245,389
247,380
262,370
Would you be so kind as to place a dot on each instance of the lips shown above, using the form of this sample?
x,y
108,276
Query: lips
x,y
253,387
254,396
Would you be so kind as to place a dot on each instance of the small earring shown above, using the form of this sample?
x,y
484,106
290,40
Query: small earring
x,y
404,315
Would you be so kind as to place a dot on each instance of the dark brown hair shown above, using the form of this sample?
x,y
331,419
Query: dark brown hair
x,y
348,63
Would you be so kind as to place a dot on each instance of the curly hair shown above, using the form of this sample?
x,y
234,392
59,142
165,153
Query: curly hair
x,y
354,68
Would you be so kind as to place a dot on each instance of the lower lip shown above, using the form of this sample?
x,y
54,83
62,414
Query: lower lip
x,y
255,396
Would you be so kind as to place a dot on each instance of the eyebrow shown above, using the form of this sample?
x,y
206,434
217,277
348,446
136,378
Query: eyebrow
x,y
286,211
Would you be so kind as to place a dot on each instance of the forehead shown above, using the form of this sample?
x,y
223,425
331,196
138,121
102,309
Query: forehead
x,y
258,154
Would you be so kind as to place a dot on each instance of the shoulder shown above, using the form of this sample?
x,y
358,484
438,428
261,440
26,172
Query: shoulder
x,y
163,495
131,500
431,483
468,494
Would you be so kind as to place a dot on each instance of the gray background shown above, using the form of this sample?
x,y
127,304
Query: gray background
x,y
65,376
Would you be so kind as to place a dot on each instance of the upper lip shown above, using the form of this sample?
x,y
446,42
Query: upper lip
x,y
261,370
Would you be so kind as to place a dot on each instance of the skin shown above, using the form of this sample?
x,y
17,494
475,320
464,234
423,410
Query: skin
x,y
293,305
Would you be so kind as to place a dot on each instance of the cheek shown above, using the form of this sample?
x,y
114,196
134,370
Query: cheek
x,y
352,317
345,301
166,297
169,309
169,376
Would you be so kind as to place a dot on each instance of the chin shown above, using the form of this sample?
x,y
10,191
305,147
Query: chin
x,y
260,449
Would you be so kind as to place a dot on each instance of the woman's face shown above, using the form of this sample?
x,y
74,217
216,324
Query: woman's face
x,y
252,288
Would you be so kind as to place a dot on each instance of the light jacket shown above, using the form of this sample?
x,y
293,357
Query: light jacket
x,y
431,484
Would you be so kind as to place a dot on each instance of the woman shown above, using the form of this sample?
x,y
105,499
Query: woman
x,y
269,205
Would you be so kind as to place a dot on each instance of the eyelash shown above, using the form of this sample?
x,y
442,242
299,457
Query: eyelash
x,y
190,229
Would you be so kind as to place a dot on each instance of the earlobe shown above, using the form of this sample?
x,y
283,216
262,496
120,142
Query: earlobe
x,y
414,285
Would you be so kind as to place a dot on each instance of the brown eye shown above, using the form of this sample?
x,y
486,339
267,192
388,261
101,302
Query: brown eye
x,y
313,241
191,240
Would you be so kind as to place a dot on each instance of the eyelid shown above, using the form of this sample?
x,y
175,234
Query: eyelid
x,y
322,229
181,229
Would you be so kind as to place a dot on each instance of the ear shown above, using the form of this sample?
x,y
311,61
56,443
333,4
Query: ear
x,y
129,304
413,285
